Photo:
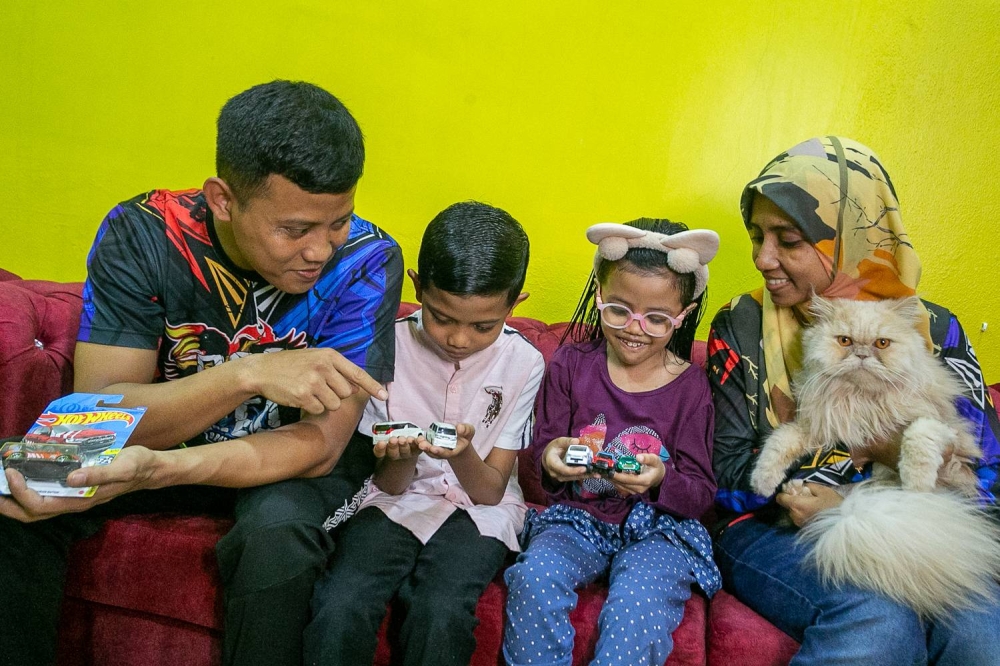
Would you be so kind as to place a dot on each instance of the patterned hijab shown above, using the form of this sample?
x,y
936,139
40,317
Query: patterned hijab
x,y
839,195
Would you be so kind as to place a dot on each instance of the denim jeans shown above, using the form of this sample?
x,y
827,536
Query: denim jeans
x,y
763,567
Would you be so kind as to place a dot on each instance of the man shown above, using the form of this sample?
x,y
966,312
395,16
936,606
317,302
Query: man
x,y
188,297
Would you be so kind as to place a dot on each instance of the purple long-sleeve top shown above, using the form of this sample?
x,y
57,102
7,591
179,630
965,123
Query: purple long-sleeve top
x,y
578,399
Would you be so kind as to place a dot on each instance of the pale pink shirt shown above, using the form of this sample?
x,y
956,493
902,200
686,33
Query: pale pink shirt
x,y
494,390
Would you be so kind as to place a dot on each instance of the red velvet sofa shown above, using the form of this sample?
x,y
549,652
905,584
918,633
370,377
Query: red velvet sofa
x,y
144,591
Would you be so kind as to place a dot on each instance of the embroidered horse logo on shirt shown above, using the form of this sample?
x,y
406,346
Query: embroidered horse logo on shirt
x,y
496,404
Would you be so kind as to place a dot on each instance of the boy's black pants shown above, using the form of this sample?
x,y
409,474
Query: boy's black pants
x,y
438,586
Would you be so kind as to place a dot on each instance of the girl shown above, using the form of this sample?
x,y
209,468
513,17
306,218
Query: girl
x,y
623,387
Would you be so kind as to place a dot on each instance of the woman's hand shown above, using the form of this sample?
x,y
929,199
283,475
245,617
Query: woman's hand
x,y
552,461
805,501
649,477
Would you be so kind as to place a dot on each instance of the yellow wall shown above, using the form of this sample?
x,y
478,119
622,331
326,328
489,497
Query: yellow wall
x,y
564,113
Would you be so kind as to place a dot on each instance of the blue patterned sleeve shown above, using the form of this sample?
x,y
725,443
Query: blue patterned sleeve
x,y
360,300
976,405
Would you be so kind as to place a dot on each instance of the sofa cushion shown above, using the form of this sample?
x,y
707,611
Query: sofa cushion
x,y
737,635
38,324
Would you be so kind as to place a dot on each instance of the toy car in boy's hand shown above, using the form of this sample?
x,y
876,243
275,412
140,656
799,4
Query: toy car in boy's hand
x,y
386,430
443,435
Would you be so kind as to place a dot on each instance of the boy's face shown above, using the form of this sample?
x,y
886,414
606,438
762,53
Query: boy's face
x,y
284,233
462,325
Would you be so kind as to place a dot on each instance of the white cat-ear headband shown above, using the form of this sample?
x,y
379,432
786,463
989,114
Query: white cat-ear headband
x,y
687,252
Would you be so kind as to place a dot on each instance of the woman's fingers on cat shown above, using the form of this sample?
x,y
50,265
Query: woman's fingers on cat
x,y
801,508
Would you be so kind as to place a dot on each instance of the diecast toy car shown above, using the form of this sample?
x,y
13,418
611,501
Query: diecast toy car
x,y
92,441
628,465
443,435
384,431
578,455
42,462
604,463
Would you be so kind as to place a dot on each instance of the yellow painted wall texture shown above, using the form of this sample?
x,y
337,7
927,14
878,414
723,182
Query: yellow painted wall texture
x,y
563,113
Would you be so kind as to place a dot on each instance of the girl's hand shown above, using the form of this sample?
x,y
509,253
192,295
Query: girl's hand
x,y
398,448
465,434
634,484
552,461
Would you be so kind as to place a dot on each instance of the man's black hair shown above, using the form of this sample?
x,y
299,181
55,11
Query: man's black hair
x,y
586,322
293,129
474,249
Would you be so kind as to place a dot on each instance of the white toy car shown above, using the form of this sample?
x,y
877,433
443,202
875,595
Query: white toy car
x,y
384,431
443,435
578,455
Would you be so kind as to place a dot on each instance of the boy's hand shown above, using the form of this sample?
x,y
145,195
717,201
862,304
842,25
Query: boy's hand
x,y
465,434
398,448
633,484
315,380
552,461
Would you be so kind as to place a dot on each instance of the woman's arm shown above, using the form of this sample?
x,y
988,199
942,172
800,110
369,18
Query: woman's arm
x,y
737,440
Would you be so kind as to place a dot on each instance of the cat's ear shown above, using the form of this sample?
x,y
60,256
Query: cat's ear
x,y
909,308
821,308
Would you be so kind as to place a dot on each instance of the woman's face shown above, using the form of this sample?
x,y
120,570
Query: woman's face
x,y
791,266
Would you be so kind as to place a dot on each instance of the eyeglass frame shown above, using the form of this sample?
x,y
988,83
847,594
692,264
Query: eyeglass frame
x,y
675,322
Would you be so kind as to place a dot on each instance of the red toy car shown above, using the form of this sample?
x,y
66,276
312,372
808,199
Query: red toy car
x,y
42,462
90,440
604,463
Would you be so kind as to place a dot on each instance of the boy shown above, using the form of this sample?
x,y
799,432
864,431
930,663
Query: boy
x,y
439,523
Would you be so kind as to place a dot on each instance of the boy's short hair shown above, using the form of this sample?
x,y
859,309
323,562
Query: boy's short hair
x,y
293,129
474,249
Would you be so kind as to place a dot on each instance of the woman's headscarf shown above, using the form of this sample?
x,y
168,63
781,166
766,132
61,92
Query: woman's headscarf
x,y
839,195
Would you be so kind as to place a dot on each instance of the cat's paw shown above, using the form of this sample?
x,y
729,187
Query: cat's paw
x,y
797,487
765,480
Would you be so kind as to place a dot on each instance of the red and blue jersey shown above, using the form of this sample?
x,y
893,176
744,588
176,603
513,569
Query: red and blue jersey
x,y
159,279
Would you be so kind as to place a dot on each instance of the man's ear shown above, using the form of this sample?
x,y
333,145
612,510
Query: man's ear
x,y
219,198
416,282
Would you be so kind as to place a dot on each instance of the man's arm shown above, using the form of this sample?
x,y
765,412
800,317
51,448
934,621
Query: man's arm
x,y
308,448
314,380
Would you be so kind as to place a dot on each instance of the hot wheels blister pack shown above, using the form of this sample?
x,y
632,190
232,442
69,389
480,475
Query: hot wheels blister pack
x,y
77,430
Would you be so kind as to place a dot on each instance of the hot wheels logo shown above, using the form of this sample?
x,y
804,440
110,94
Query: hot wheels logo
x,y
84,418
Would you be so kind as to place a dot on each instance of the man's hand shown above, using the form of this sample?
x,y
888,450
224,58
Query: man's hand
x,y
807,501
465,434
650,476
315,380
129,471
552,461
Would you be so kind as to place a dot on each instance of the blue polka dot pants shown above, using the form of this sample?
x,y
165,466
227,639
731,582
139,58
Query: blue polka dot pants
x,y
649,582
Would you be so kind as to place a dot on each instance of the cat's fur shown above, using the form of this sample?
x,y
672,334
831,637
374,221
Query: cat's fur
x,y
869,382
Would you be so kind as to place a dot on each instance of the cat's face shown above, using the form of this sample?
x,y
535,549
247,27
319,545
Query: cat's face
x,y
868,344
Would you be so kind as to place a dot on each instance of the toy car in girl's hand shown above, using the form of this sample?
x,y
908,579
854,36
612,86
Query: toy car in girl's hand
x,y
443,435
578,455
386,430
604,463
628,465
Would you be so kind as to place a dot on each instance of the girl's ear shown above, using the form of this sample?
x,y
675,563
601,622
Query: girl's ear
x,y
415,279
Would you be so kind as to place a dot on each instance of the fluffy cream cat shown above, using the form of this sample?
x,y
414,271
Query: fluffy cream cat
x,y
913,533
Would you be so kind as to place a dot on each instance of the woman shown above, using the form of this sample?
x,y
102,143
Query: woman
x,y
823,217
